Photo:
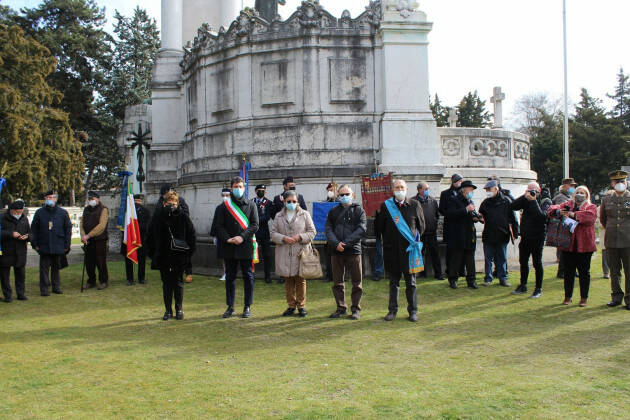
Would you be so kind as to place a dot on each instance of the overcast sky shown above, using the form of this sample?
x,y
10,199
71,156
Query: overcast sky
x,y
515,44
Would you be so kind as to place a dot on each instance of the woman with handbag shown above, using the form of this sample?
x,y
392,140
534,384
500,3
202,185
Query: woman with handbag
x,y
292,231
582,245
171,242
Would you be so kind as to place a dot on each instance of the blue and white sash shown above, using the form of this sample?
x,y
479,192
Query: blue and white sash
x,y
416,264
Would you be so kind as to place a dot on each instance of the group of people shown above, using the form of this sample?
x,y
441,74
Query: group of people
x,y
407,228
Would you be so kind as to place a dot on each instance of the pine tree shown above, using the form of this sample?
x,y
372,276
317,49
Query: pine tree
x,y
471,112
621,109
440,113
546,148
38,144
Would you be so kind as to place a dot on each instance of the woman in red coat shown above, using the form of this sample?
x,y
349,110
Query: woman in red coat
x,y
579,253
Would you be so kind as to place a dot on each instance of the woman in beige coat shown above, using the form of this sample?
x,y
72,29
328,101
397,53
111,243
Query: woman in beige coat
x,y
292,230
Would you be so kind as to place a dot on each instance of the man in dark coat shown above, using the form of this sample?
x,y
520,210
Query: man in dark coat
x,y
500,227
278,201
263,204
462,235
15,235
445,196
395,256
94,236
430,245
51,237
238,245
144,217
225,194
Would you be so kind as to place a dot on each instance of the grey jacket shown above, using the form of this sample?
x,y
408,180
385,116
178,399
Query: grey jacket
x,y
349,229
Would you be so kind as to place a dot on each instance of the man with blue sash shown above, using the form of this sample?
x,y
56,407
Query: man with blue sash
x,y
400,221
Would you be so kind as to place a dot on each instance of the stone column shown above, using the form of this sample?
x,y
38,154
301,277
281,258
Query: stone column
x,y
409,140
172,19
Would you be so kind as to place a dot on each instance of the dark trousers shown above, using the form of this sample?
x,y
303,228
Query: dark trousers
x,y
231,268
142,263
582,262
560,256
172,286
431,249
459,257
264,253
5,277
410,290
351,264
329,265
460,270
533,248
49,264
619,258
96,257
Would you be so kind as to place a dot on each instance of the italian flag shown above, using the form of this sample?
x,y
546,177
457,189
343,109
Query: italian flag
x,y
132,230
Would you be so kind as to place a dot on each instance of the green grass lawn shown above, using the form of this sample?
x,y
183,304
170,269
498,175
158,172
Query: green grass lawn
x,y
474,354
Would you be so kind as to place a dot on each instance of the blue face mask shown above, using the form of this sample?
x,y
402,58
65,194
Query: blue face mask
x,y
571,190
238,192
426,193
49,203
291,206
345,199
469,195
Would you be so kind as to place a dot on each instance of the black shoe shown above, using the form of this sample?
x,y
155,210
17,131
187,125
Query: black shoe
x,y
520,290
7,300
612,304
280,280
537,293
338,313
246,312
504,283
130,283
89,286
267,280
179,315
413,317
288,312
302,312
390,316
167,315
377,278
142,281
560,275
58,292
356,315
473,285
452,284
229,312
440,277
45,293
628,307
22,298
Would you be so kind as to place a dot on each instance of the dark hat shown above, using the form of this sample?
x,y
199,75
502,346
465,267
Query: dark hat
x,y
165,188
17,205
287,180
491,183
569,181
468,183
455,178
93,194
226,190
260,187
138,196
618,175
50,192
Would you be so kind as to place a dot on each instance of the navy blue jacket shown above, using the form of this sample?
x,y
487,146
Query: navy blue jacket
x,y
51,230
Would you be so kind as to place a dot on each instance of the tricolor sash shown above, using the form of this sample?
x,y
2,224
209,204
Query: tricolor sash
x,y
243,222
416,264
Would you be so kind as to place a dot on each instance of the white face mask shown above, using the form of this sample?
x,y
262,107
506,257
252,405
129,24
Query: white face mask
x,y
92,203
400,195
620,186
330,194
17,216
489,194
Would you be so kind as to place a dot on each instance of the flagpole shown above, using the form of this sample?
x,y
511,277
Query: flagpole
x,y
566,91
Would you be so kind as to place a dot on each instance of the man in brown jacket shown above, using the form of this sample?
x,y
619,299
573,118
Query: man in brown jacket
x,y
94,237
614,215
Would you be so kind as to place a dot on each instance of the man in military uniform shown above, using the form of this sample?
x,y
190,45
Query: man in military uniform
x,y
615,217
262,236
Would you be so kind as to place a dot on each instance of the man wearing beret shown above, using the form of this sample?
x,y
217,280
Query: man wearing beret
x,y
615,217
51,231
15,235
94,236
263,204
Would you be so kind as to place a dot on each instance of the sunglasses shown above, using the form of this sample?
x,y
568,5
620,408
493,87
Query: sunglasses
x,y
294,202
345,195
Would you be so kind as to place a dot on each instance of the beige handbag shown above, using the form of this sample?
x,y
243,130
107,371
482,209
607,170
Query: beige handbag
x,y
310,267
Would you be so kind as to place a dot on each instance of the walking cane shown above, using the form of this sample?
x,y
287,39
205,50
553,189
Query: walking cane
x,y
83,274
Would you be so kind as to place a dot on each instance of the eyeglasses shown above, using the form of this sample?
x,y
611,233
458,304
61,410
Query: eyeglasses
x,y
345,195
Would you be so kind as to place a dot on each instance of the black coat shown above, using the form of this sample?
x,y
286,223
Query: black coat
x,y
227,227
158,241
445,196
461,233
498,218
264,215
533,220
395,257
278,204
349,230
144,218
52,230
13,249
431,212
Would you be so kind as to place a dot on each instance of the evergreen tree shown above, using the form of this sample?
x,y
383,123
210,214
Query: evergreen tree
x,y
38,149
621,109
440,113
471,112
546,148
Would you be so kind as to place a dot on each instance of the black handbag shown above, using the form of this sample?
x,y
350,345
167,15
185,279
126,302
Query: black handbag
x,y
178,245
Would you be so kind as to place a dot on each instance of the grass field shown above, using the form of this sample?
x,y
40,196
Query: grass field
x,y
474,354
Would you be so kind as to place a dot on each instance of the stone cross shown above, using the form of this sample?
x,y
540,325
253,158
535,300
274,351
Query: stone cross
x,y
497,100
452,117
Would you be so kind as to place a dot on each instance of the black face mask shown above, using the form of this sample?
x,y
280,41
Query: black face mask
x,y
170,209
292,188
260,194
